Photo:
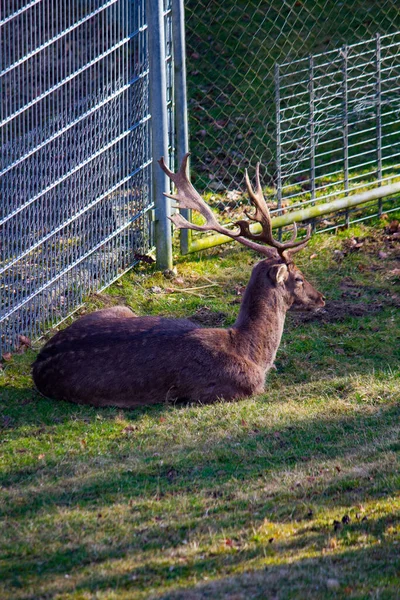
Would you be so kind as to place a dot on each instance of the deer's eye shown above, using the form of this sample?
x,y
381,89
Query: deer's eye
x,y
299,280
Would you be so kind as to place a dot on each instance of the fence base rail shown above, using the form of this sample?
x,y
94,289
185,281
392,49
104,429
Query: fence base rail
x,y
312,212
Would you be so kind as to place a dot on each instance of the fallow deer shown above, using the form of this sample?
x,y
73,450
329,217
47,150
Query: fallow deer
x,y
112,358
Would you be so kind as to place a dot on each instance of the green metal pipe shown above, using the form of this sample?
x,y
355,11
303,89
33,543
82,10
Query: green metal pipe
x,y
303,215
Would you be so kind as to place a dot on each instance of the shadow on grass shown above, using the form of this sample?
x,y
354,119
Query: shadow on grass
x,y
214,467
363,569
324,577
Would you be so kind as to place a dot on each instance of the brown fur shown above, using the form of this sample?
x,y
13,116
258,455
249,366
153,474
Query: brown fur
x,y
112,358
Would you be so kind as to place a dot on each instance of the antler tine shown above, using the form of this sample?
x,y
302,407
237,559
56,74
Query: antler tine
x,y
182,169
262,215
188,197
299,245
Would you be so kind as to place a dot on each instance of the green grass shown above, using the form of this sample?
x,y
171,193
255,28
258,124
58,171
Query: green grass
x,y
233,500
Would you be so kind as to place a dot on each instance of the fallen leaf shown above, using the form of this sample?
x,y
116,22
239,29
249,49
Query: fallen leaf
x,y
338,255
155,289
170,273
234,195
348,590
25,341
393,226
313,256
144,258
128,429
337,525
7,356
229,542
41,456
346,519
382,254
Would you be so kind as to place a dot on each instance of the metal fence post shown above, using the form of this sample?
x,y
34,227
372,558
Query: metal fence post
x,y
181,115
312,127
278,143
312,132
345,55
159,131
378,91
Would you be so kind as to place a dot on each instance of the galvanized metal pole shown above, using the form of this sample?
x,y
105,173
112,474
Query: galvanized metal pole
x,y
159,131
181,114
312,127
345,53
278,143
379,116
312,131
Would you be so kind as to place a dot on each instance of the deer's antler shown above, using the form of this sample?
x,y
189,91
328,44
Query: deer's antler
x,y
262,216
188,197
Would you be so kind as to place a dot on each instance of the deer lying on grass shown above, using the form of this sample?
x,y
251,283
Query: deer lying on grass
x,y
112,358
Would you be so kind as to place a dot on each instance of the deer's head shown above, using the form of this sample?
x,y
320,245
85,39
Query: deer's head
x,y
297,292
278,268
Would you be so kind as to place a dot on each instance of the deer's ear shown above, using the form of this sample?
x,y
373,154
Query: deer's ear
x,y
279,273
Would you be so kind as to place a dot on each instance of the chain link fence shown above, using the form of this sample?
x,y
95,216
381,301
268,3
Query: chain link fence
x,y
252,81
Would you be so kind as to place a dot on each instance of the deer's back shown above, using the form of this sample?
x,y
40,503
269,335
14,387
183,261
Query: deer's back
x,y
135,361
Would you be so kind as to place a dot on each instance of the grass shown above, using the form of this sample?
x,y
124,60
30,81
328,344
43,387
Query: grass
x,y
291,494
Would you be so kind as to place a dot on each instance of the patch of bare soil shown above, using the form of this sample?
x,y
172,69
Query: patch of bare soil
x,y
383,249
379,245
209,318
107,301
339,310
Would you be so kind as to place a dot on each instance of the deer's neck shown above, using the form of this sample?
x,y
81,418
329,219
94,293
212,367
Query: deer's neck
x,y
260,324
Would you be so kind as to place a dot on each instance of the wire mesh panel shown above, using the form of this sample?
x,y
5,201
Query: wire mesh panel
x,y
75,155
338,121
232,51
